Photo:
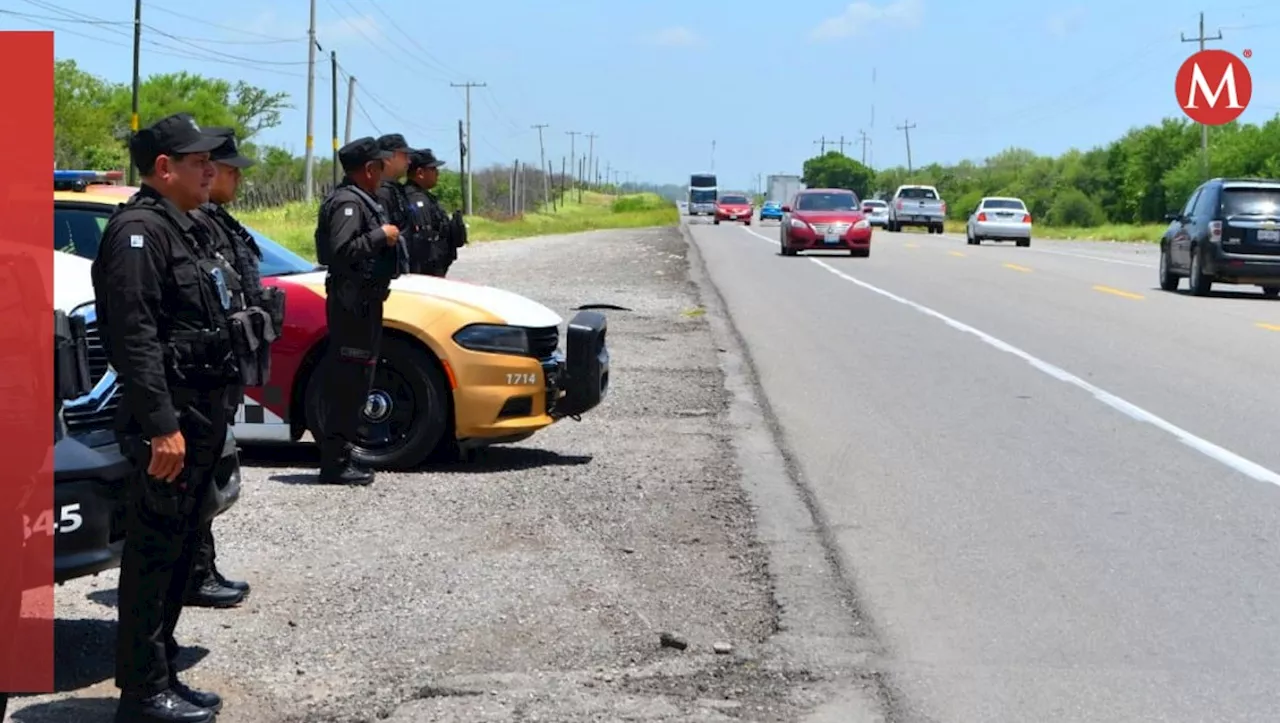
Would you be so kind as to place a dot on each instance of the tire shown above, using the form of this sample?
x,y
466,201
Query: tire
x,y
418,414
1168,280
747,222
1024,243
860,253
1271,292
716,222
1201,285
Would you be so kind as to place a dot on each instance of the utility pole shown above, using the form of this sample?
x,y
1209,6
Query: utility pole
x,y
822,143
573,137
333,69
462,165
351,107
468,86
591,154
865,139
307,179
906,128
542,155
137,54
1204,129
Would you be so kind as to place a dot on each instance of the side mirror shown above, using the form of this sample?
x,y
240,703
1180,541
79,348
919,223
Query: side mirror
x,y
1171,217
786,209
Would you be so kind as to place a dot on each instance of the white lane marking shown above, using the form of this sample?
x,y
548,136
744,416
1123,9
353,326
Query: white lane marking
x,y
1222,455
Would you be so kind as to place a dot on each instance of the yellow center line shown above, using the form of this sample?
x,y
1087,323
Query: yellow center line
x,y
956,253
1016,267
1117,292
1269,327
913,246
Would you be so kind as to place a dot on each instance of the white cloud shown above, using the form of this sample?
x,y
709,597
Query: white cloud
x,y
862,15
676,36
1063,23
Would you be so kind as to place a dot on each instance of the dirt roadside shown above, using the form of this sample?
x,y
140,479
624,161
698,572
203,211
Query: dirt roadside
x,y
533,583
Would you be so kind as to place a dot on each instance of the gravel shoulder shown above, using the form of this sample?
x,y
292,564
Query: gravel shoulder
x,y
534,582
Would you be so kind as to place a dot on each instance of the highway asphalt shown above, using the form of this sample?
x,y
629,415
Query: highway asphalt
x,y
1051,485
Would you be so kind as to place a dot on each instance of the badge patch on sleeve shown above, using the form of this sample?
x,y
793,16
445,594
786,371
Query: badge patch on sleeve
x,y
348,211
135,241
419,204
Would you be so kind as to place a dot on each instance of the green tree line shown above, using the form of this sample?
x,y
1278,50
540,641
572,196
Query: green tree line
x,y
91,123
1136,179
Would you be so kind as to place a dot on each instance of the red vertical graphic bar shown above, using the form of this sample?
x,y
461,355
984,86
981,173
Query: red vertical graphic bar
x,y
27,521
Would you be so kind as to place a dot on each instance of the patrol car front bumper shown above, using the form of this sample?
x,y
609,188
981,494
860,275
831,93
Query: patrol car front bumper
x,y
579,381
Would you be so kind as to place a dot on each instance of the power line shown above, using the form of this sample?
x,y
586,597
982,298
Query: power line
x,y
822,143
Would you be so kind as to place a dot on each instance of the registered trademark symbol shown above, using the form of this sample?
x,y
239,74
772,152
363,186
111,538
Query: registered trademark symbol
x,y
1248,53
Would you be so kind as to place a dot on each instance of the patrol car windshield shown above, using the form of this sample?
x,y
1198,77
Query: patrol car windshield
x,y
278,260
77,229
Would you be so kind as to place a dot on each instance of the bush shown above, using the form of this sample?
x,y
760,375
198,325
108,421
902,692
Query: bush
x,y
1073,208
640,202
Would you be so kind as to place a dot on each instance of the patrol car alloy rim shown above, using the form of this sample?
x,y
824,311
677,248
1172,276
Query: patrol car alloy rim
x,y
389,411
378,407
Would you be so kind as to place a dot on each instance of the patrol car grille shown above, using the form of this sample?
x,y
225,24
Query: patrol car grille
x,y
543,341
99,413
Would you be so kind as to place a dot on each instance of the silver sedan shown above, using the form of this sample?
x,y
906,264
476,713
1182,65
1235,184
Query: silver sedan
x,y
999,218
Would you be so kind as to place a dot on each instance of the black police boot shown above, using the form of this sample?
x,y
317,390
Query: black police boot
x,y
348,474
233,584
198,698
213,594
166,707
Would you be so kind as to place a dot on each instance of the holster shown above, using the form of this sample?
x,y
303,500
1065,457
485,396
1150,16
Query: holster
x,y
71,357
252,332
272,302
174,501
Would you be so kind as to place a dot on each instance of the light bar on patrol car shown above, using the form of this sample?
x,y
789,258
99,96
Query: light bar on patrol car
x,y
79,180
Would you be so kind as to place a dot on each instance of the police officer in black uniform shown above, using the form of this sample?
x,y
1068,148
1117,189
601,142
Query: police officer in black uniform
x,y
391,194
357,243
209,588
434,251
166,305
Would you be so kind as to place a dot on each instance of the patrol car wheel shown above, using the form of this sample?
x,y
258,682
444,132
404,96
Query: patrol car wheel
x,y
406,415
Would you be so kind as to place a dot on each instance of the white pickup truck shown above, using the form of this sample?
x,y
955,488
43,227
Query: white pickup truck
x,y
917,206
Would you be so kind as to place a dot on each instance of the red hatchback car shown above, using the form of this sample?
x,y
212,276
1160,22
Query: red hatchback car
x,y
825,219
734,207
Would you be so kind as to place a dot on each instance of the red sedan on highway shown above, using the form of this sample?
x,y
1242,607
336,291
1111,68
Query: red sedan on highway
x,y
734,207
825,219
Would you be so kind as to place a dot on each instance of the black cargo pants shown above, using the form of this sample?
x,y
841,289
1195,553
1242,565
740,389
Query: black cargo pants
x,y
162,532
355,340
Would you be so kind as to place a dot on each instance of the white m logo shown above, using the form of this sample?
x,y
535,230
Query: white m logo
x,y
1199,82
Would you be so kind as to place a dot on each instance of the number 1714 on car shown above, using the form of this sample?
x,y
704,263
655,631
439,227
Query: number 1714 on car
x,y
523,378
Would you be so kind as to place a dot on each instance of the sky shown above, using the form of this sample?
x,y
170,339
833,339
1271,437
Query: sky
x,y
745,88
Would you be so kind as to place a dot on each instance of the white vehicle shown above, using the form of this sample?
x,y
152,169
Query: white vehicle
x,y
917,206
999,218
876,211
702,194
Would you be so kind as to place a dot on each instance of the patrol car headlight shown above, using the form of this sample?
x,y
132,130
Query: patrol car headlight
x,y
493,338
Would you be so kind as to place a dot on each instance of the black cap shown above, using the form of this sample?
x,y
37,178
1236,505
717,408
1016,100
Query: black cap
x,y
228,153
359,152
423,158
393,142
173,135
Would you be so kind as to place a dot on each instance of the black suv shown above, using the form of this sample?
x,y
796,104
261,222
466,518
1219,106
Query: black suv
x,y
1229,232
